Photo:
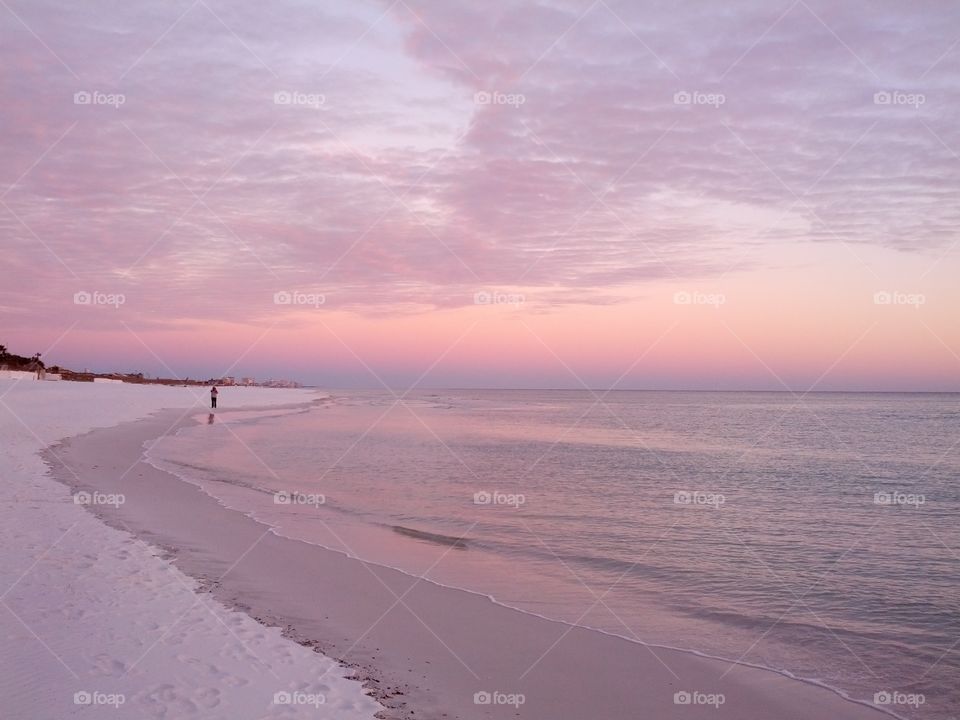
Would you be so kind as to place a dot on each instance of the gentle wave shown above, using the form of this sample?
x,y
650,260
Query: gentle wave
x,y
413,533
457,542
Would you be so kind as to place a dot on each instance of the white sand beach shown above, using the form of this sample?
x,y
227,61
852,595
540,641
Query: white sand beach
x,y
95,623
147,607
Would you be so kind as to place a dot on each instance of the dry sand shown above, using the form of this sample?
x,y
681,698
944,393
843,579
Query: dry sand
x,y
95,624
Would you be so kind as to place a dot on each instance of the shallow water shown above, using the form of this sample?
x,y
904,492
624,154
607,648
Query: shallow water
x,y
815,535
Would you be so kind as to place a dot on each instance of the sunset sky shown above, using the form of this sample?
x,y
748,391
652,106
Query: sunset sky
x,y
736,195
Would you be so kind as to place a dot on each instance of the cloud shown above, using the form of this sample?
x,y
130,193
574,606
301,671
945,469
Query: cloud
x,y
612,144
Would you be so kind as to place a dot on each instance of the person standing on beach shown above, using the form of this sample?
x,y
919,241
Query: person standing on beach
x,y
213,397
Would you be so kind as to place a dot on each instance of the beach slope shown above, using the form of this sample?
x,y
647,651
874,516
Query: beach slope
x,y
94,622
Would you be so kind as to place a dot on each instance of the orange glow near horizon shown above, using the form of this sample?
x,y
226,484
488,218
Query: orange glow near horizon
x,y
752,331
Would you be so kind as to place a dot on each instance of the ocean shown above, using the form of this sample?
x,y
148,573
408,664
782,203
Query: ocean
x,y
816,535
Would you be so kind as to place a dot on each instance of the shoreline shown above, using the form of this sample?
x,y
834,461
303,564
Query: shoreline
x,y
463,543
748,689
90,615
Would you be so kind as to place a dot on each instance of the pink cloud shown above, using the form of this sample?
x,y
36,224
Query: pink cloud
x,y
199,196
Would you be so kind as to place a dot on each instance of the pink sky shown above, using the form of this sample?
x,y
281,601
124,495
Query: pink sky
x,y
501,194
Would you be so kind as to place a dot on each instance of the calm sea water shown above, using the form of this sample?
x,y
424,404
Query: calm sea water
x,y
818,536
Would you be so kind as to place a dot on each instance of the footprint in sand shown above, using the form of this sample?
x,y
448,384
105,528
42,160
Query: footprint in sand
x,y
108,666
199,666
164,701
73,613
207,697
211,671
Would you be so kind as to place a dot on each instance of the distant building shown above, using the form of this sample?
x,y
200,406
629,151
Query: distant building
x,y
280,383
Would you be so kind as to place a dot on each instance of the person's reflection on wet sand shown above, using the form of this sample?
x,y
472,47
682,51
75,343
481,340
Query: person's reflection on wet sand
x,y
210,419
